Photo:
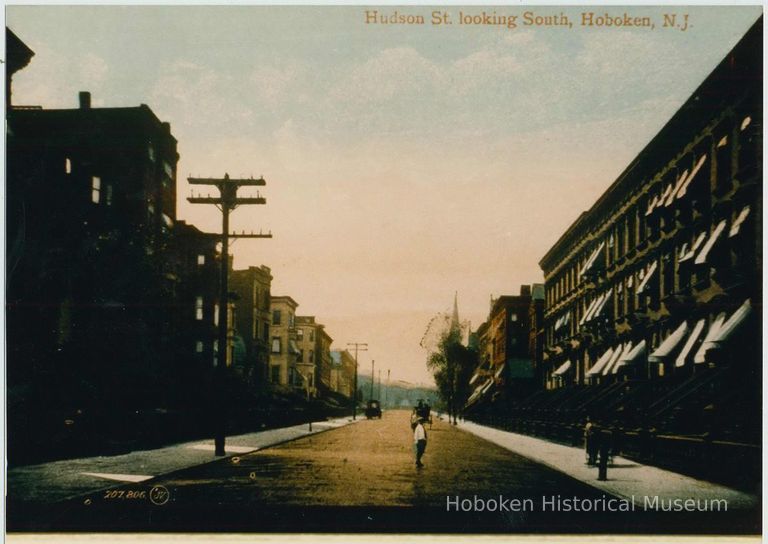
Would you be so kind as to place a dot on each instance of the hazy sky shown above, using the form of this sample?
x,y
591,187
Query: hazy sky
x,y
403,163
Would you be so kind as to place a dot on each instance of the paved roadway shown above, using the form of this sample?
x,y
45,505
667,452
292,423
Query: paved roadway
x,y
358,478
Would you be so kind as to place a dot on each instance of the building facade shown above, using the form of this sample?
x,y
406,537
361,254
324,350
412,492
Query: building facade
x,y
284,350
91,240
342,376
313,343
506,368
252,322
660,280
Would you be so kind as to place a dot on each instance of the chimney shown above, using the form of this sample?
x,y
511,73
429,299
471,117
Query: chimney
x,y
525,290
85,100
167,127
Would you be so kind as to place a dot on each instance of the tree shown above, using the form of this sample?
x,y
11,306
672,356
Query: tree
x,y
452,365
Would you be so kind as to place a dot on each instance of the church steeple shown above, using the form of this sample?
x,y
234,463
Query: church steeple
x,y
455,323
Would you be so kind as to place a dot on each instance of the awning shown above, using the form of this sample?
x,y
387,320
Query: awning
x,y
620,350
694,336
592,307
738,221
600,363
711,335
486,387
562,320
652,205
680,181
701,258
667,192
634,355
726,330
592,259
684,187
479,391
696,244
669,344
562,369
647,277
602,304
588,311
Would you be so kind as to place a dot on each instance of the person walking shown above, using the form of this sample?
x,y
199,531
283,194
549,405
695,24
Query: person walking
x,y
419,441
591,441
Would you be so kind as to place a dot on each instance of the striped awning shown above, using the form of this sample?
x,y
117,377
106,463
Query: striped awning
x,y
669,344
617,353
562,369
714,328
701,258
600,363
725,331
692,338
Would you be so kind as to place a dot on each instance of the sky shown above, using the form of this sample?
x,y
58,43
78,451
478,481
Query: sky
x,y
404,163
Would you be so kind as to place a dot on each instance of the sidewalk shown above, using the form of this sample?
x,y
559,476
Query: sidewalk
x,y
61,480
626,478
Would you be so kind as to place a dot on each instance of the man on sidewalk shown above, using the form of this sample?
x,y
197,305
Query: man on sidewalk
x,y
419,441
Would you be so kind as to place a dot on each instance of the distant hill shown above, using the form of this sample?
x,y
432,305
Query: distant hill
x,y
398,394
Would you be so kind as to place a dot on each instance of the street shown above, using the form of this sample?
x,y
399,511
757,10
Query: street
x,y
357,478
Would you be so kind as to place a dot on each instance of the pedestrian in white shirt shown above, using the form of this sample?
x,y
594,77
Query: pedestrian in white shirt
x,y
419,441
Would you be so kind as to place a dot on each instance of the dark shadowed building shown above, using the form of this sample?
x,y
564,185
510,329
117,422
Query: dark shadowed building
x,y
107,299
653,296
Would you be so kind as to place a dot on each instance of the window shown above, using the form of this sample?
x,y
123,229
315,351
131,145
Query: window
x,y
513,317
95,189
749,148
215,353
274,375
668,274
311,335
276,345
199,308
300,334
255,326
167,221
67,166
151,153
631,229
216,314
276,317
723,166
200,260
108,195
265,332
199,347
311,356
621,237
168,169
620,299
291,320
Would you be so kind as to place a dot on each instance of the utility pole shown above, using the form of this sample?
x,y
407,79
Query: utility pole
x,y
379,395
361,347
373,378
386,391
226,202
